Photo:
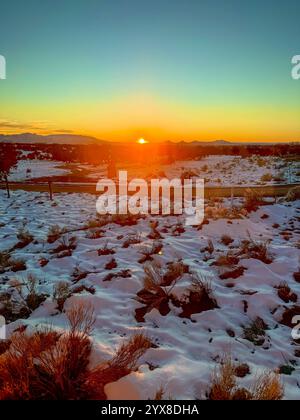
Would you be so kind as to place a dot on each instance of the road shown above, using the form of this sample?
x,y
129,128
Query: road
x,y
90,188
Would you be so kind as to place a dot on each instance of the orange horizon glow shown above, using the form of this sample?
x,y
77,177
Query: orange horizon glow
x,y
142,115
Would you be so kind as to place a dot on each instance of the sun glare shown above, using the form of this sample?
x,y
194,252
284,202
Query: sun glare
x,y
142,141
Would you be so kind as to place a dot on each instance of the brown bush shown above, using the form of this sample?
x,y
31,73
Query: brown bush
x,y
253,199
224,386
48,365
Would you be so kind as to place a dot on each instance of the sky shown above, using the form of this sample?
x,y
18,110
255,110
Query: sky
x,y
160,69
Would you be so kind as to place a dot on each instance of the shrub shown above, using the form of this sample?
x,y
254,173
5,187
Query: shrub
x,y
155,293
175,271
266,177
210,247
105,251
61,293
7,262
253,199
55,233
78,274
111,264
234,273
95,234
124,274
4,261
285,293
47,365
259,250
256,332
66,244
21,299
154,234
147,253
126,219
132,240
17,265
24,237
224,386
227,260
28,293
226,240
199,297
293,194
261,162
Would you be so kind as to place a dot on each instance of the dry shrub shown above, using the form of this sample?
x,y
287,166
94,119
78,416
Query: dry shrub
x,y
148,253
55,233
293,194
285,293
157,291
253,199
126,219
222,212
48,365
267,177
18,373
105,250
24,237
4,261
256,331
159,278
159,395
17,265
132,240
224,385
227,260
268,387
128,354
199,296
78,274
226,240
21,299
258,250
66,244
7,262
223,382
61,292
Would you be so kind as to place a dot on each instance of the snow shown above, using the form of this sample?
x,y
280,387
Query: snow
x,y
29,169
217,170
188,350
235,170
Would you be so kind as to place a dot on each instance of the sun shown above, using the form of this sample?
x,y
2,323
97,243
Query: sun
x,y
142,141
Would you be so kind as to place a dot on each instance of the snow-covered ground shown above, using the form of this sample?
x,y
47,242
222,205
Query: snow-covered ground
x,y
217,170
235,170
27,169
187,349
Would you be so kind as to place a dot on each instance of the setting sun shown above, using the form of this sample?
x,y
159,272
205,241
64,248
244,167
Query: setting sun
x,y
142,141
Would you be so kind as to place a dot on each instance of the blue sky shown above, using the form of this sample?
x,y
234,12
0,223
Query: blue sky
x,y
183,57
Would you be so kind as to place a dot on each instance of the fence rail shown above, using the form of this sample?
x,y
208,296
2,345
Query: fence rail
x,y
90,188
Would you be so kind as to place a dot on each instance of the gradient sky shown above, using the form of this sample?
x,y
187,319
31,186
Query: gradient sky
x,y
159,69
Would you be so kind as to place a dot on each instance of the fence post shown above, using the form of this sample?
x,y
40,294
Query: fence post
x,y
50,190
7,186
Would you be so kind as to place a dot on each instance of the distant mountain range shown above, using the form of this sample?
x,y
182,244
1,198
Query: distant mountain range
x,y
31,138
74,139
